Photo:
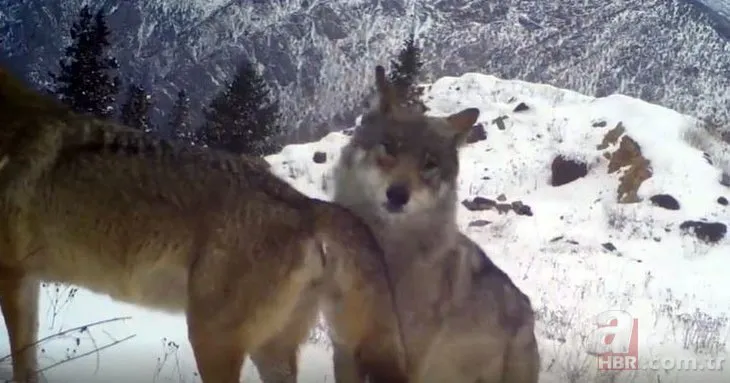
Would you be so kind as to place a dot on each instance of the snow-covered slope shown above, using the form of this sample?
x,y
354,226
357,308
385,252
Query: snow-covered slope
x,y
582,252
579,253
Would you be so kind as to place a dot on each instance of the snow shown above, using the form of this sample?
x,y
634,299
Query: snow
x,y
671,282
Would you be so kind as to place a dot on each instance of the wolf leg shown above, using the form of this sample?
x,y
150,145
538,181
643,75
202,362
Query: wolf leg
x,y
522,358
345,365
380,365
241,300
362,367
219,356
19,303
277,359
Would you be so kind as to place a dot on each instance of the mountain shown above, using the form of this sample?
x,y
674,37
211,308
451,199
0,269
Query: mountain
x,y
650,239
319,54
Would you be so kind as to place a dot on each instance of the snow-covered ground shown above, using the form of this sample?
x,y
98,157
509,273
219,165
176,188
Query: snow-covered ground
x,y
581,253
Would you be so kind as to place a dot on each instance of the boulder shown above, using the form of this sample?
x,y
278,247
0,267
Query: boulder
x,y
565,170
710,232
665,200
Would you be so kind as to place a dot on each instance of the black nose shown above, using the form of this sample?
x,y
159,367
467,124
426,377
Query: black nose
x,y
397,195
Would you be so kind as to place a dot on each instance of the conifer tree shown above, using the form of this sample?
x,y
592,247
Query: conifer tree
x,y
179,124
135,112
86,81
405,72
243,117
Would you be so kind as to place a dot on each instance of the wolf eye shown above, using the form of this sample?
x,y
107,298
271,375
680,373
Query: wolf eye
x,y
387,148
430,164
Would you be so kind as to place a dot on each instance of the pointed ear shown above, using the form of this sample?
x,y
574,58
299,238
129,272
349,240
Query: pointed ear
x,y
385,91
462,122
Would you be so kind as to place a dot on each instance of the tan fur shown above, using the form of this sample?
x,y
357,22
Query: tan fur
x,y
464,320
244,255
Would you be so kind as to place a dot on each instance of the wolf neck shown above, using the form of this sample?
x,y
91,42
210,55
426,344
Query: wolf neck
x,y
428,233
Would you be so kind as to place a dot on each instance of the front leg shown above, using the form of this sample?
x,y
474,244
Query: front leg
x,y
345,365
19,304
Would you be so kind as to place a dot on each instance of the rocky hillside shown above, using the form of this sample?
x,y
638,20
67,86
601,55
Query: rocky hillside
x,y
319,53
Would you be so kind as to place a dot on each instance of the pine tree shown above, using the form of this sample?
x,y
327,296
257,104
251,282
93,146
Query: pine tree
x,y
86,80
136,110
179,124
243,118
405,72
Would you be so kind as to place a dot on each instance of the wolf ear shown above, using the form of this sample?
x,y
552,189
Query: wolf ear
x,y
461,123
385,91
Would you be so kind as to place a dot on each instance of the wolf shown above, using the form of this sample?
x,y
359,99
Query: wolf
x,y
246,257
464,319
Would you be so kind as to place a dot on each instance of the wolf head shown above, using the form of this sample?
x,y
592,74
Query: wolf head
x,y
401,163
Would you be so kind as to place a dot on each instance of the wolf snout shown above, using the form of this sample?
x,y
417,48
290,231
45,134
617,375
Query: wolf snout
x,y
398,196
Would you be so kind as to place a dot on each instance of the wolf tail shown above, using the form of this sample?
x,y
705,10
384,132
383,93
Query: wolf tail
x,y
360,265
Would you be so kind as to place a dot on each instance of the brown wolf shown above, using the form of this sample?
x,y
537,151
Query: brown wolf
x,y
464,319
243,254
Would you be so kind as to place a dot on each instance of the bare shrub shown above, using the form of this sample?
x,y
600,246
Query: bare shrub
x,y
703,332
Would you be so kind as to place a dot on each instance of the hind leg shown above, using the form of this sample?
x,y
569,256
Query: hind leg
x,y
277,359
219,356
366,366
215,332
363,338
238,301
19,303
379,361
522,358
345,365
362,350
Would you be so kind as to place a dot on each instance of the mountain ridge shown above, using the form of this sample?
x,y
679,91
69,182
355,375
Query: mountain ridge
x,y
319,55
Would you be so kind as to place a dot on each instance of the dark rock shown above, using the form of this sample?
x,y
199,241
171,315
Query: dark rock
x,y
665,200
501,197
572,242
599,124
348,131
566,170
319,157
476,134
609,246
521,107
499,121
503,208
707,157
479,204
710,232
479,223
722,201
521,209
558,238
725,179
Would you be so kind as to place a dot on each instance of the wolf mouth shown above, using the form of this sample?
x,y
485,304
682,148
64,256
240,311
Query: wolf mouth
x,y
392,208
